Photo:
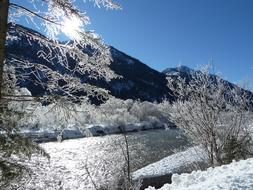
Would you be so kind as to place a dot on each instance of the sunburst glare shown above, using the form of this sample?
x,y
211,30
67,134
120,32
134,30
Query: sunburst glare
x,y
71,27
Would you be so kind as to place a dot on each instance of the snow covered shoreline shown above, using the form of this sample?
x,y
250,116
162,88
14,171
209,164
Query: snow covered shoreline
x,y
74,132
177,167
237,175
174,169
160,172
175,163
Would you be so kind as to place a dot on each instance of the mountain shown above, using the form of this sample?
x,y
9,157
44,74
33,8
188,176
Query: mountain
x,y
138,81
190,74
180,71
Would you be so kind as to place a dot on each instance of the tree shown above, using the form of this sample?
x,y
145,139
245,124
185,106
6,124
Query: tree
x,y
84,46
4,6
214,114
12,144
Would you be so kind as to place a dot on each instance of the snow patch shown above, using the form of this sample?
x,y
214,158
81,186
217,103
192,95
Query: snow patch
x,y
237,175
175,163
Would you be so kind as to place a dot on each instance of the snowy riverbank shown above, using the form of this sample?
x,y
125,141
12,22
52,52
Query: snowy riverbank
x,y
237,175
73,132
169,169
176,163
160,172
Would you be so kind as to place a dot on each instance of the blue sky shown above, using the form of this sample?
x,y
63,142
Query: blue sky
x,y
166,33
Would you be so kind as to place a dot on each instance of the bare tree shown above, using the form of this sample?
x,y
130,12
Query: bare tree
x,y
120,166
213,113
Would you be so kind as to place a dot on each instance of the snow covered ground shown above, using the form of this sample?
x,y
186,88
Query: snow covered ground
x,y
176,163
235,176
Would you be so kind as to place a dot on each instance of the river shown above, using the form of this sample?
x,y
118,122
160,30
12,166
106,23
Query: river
x,y
74,164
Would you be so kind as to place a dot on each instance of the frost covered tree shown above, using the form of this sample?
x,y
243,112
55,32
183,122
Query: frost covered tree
x,y
13,145
55,17
85,47
214,114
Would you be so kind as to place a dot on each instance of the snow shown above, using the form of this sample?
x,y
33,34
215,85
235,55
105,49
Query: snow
x,y
173,73
176,163
237,176
45,134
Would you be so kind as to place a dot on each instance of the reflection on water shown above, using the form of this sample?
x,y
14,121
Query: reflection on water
x,y
150,146
74,162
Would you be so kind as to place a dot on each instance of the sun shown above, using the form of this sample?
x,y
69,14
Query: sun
x,y
71,27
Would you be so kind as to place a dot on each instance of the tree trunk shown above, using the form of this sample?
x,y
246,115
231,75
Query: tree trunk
x,y
4,7
215,151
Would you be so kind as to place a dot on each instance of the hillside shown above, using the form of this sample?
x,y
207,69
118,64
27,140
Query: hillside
x,y
138,81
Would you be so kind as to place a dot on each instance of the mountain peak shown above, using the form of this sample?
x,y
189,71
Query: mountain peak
x,y
178,70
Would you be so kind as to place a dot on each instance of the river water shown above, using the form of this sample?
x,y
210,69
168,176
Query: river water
x,y
77,164
150,146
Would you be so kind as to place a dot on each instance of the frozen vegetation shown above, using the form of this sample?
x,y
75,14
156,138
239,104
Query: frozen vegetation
x,y
67,120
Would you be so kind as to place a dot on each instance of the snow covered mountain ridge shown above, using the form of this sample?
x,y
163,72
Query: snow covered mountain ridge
x,y
138,81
